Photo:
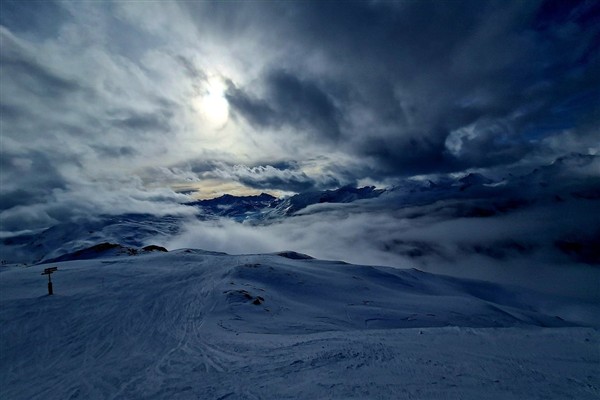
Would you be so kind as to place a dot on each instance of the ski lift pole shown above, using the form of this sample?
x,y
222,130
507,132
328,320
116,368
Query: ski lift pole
x,y
49,271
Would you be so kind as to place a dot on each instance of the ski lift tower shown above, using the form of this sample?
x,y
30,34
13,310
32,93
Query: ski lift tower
x,y
49,271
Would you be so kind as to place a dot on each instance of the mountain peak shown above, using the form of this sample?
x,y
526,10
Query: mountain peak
x,y
475,178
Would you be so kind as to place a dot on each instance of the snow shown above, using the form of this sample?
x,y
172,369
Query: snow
x,y
194,324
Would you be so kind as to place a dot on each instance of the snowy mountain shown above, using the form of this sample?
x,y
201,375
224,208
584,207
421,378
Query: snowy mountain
x,y
346,194
131,320
263,206
575,175
238,208
474,179
131,230
195,324
568,185
104,250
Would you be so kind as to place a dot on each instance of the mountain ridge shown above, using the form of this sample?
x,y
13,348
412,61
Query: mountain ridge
x,y
470,196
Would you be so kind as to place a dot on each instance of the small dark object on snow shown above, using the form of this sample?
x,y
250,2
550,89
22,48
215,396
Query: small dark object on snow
x,y
49,271
154,247
246,294
292,255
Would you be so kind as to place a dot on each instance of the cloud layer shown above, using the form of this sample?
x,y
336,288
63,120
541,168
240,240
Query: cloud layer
x,y
517,248
102,103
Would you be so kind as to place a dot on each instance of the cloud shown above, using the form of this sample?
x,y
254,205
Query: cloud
x,y
28,74
145,121
76,143
44,20
270,177
101,115
372,91
286,177
295,102
256,111
398,82
486,143
512,247
87,199
531,230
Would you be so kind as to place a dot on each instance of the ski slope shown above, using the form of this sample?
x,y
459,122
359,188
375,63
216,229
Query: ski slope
x,y
191,324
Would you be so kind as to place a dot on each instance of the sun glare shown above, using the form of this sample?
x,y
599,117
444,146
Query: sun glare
x,y
212,105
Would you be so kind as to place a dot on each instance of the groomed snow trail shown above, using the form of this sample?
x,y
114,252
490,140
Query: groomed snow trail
x,y
197,325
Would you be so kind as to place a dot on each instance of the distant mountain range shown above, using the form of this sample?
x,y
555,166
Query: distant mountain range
x,y
543,183
474,195
264,206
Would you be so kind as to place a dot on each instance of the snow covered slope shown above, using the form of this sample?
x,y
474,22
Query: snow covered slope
x,y
134,230
192,324
237,208
346,194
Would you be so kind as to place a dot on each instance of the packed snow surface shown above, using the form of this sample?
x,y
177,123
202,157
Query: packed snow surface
x,y
191,324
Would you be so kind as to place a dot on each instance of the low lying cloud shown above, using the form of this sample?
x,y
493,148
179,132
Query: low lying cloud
x,y
518,247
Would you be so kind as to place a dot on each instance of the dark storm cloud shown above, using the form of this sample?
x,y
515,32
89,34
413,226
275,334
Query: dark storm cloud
x,y
78,122
286,176
291,101
470,63
28,181
115,152
297,185
190,68
157,121
21,67
303,103
203,166
286,179
414,74
42,17
11,112
18,197
256,111
407,155
15,166
112,93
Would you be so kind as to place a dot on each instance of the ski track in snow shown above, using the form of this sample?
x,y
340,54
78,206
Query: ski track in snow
x,y
182,326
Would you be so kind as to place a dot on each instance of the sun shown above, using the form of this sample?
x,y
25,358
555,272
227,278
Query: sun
x,y
212,104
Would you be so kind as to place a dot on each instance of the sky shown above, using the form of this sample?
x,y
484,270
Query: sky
x,y
139,106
